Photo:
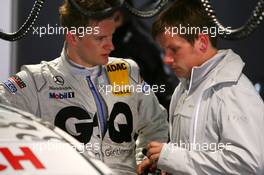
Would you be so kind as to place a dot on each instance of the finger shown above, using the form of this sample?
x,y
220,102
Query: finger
x,y
139,169
155,150
143,165
146,162
153,166
163,172
153,144
154,158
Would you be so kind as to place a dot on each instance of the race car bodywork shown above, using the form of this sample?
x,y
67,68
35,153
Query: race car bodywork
x,y
30,146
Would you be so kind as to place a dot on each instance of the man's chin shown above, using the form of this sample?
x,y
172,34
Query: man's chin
x,y
181,75
101,59
105,60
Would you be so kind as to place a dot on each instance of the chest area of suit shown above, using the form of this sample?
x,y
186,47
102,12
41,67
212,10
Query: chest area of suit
x,y
193,117
61,91
74,106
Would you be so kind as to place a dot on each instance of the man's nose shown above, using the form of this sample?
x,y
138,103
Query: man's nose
x,y
168,59
109,45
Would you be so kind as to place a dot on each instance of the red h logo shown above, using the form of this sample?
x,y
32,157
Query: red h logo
x,y
14,160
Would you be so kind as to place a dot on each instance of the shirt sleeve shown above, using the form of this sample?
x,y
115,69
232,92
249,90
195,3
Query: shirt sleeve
x,y
19,91
152,117
153,122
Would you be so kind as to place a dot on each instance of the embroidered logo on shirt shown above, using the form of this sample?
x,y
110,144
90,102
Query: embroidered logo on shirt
x,y
65,95
116,67
61,88
118,75
58,80
10,86
18,81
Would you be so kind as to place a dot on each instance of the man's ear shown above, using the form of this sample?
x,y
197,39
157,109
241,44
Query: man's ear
x,y
203,42
71,38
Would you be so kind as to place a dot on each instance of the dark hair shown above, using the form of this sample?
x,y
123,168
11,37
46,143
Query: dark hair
x,y
186,13
71,17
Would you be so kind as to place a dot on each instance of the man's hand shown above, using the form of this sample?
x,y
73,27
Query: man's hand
x,y
153,153
154,149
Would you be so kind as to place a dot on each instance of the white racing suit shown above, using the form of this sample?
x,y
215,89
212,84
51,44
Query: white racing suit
x,y
76,99
216,122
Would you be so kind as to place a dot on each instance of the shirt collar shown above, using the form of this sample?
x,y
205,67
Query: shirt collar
x,y
77,69
200,73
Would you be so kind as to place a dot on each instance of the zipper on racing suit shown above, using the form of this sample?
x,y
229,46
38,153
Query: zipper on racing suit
x,y
102,113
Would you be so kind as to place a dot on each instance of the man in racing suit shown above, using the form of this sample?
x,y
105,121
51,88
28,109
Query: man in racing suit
x,y
100,101
216,115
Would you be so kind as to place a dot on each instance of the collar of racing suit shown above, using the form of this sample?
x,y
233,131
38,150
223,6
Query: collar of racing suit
x,y
77,69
